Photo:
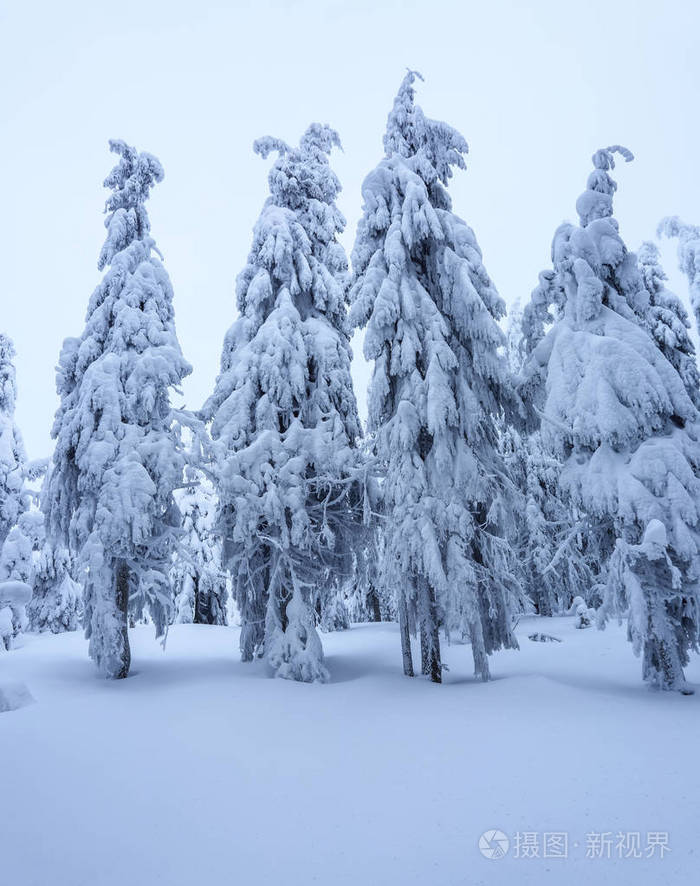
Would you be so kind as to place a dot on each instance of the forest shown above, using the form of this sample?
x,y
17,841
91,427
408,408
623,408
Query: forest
x,y
539,462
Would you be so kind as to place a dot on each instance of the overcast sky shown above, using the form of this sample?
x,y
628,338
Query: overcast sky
x,y
535,87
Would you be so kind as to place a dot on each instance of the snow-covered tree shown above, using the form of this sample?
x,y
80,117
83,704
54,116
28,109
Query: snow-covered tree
x,y
438,388
14,499
14,596
515,338
199,583
688,255
668,321
331,605
284,417
617,413
16,561
20,528
368,597
556,544
109,497
17,570
57,599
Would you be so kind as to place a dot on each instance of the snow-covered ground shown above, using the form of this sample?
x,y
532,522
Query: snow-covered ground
x,y
198,769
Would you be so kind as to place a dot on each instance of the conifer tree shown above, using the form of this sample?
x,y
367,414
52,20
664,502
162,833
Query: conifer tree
x,y
555,542
438,388
368,597
668,321
14,500
688,255
16,571
20,528
199,584
284,417
57,599
109,497
618,415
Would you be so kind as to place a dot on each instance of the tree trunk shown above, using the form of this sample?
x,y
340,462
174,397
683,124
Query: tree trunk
x,y
405,637
435,658
661,665
430,638
424,650
544,603
199,617
373,603
253,612
122,640
284,598
665,647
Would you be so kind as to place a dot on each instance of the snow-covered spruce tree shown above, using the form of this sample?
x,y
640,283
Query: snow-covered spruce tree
x,y
57,599
284,417
199,584
688,255
331,605
438,388
17,556
555,551
16,567
14,499
668,321
17,524
617,413
554,541
109,497
368,597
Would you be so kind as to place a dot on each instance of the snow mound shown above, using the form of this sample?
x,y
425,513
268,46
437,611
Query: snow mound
x,y
14,696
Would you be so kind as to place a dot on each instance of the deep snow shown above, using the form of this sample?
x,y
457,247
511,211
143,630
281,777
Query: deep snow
x,y
199,769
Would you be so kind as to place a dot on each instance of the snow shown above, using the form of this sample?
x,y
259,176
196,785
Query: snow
x,y
184,772
655,534
15,593
14,696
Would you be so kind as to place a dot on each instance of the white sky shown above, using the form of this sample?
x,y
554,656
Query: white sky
x,y
534,86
